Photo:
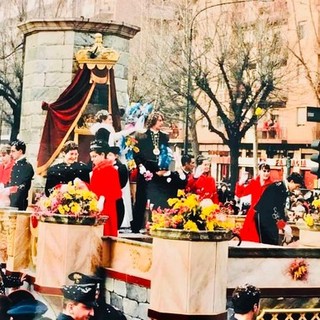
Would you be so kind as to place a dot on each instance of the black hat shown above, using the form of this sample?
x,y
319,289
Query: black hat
x,y
84,293
115,150
80,278
19,295
27,309
99,146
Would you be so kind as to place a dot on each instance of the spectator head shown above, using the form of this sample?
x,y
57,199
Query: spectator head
x,y
80,300
264,166
69,146
102,115
18,145
153,119
70,152
187,161
5,149
246,299
295,181
5,304
24,306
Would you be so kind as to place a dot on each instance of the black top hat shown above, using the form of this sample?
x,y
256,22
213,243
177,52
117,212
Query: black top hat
x,y
84,293
80,278
27,309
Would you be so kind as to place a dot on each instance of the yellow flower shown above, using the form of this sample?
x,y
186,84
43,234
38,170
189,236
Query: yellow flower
x,y
190,225
309,220
61,209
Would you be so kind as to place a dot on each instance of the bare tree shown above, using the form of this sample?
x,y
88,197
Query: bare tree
x,y
231,54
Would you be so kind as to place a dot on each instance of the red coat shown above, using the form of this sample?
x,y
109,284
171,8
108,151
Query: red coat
x,y
204,186
105,182
249,230
5,172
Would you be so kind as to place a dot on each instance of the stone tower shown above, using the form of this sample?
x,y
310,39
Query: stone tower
x,y
49,66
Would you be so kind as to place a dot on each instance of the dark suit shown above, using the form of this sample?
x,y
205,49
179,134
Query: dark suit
x,y
146,157
270,209
123,178
63,173
21,176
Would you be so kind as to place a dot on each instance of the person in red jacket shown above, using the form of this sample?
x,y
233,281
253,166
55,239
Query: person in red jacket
x,y
255,188
6,165
201,182
105,184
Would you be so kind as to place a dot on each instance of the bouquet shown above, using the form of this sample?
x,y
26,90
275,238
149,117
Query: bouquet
x,y
72,199
190,212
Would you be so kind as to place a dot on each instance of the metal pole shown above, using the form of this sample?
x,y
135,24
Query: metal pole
x,y
186,140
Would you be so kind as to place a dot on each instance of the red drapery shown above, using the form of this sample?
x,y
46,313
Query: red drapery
x,y
62,116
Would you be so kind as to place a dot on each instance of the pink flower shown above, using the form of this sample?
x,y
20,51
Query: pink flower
x,y
148,175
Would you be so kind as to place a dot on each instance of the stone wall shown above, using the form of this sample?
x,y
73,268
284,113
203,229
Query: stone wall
x,y
132,299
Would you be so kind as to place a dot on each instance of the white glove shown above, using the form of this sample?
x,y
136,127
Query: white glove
x,y
287,233
101,203
142,169
198,172
243,178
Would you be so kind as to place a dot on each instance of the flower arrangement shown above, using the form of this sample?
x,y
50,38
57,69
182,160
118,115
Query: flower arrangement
x,y
190,212
128,147
298,269
69,199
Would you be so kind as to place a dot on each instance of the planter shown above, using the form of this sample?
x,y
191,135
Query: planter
x,y
174,234
309,237
65,248
188,274
73,220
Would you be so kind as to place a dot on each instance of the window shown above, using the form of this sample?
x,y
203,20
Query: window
x,y
301,116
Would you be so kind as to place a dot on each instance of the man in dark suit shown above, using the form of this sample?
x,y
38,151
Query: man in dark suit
x,y
187,164
21,176
270,209
150,143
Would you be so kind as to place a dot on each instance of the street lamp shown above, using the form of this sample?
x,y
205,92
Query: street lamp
x,y
186,142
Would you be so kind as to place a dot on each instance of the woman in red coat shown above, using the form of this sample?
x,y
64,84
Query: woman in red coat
x,y
255,188
202,183
105,182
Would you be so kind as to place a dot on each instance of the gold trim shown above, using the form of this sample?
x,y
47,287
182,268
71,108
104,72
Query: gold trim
x,y
274,313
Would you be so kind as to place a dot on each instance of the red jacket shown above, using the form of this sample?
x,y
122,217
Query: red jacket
x,y
204,186
249,230
5,172
105,182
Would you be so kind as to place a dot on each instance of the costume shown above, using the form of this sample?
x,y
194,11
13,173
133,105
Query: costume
x,y
270,209
123,178
21,176
62,173
161,188
105,182
204,186
249,230
224,196
5,172
149,144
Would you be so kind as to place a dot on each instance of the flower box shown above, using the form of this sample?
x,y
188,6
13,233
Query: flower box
x,y
177,234
74,220
188,273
